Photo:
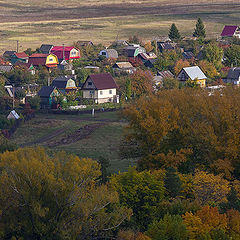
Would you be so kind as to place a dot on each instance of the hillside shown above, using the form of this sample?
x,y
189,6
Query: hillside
x,y
103,21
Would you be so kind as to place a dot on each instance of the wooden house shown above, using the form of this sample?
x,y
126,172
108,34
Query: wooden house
x,y
231,31
123,67
19,57
194,74
144,57
25,66
133,50
109,53
100,87
64,84
45,48
233,76
48,96
47,60
66,53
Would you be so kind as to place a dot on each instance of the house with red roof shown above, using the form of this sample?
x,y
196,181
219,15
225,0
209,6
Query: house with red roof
x,y
19,57
231,31
100,87
47,60
66,53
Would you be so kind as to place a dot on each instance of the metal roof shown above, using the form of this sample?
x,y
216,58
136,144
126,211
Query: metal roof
x,y
194,73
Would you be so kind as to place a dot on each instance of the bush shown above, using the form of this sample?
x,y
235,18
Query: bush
x,y
34,102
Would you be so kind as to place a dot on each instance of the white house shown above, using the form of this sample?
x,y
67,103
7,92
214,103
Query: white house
x,y
100,87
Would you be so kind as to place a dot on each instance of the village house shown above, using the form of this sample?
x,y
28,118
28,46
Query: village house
x,y
109,53
26,66
123,67
233,76
231,31
167,46
66,53
100,87
144,57
133,50
188,55
19,57
8,54
64,84
45,48
84,43
194,74
48,96
47,60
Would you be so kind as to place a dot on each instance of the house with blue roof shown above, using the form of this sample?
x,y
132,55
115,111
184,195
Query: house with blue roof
x,y
194,74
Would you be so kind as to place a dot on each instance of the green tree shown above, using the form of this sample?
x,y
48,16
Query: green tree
x,y
140,191
170,83
55,197
199,31
172,183
174,33
232,56
105,164
171,227
233,201
34,102
128,91
18,77
213,54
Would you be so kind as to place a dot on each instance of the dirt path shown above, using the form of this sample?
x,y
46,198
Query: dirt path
x,y
45,138
81,133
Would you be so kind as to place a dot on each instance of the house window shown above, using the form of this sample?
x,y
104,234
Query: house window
x,y
104,53
50,59
89,83
110,91
101,92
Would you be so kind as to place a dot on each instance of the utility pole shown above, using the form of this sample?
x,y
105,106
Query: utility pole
x,y
13,91
63,53
17,45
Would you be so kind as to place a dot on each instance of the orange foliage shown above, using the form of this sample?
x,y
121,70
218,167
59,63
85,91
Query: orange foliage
x,y
180,64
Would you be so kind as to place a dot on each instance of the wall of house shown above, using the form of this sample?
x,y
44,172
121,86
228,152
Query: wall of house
x,y
89,84
202,83
106,93
71,84
51,59
74,53
90,94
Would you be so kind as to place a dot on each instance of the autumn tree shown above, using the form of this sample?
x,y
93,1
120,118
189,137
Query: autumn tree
x,y
174,33
170,83
148,46
55,197
205,222
180,125
199,31
179,65
208,68
141,83
210,188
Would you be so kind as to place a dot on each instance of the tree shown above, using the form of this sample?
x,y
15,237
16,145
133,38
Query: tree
x,y
171,227
141,83
208,68
172,183
210,188
232,56
205,221
199,31
18,77
34,102
174,33
179,65
20,93
213,54
148,46
170,83
128,90
55,197
140,191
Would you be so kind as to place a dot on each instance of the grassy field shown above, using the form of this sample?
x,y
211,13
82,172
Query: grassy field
x,y
81,134
103,21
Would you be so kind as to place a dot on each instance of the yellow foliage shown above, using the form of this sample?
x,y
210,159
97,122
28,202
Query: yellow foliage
x,y
209,187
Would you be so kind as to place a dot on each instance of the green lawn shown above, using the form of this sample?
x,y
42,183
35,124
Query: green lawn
x,y
47,129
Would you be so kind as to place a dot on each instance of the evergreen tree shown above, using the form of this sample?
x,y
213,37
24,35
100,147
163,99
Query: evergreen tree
x,y
200,29
172,182
174,33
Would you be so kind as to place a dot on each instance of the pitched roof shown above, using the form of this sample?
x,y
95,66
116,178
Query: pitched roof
x,y
58,51
5,68
8,53
229,31
234,73
148,56
46,91
122,65
167,46
60,82
46,48
194,73
112,53
103,81
13,114
38,59
21,55
188,55
165,74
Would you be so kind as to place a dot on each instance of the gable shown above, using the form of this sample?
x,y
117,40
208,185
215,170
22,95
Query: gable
x,y
88,84
71,84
